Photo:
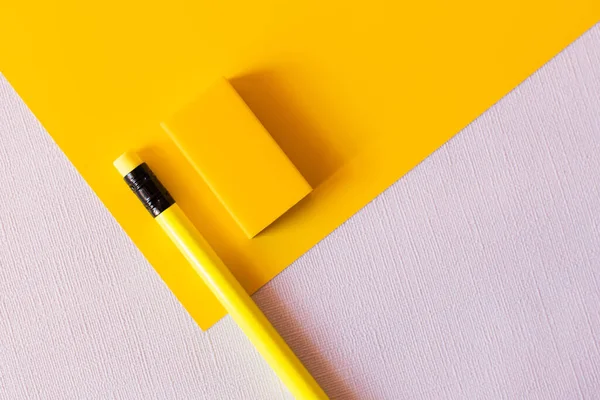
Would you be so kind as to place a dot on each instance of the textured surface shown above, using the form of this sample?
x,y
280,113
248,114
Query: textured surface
x,y
475,276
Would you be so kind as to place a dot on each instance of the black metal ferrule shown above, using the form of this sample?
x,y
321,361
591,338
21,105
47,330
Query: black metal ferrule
x,y
149,190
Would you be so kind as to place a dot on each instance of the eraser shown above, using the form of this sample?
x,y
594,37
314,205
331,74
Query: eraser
x,y
127,162
241,163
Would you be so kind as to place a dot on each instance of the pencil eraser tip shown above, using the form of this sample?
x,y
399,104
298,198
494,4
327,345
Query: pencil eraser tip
x,y
127,162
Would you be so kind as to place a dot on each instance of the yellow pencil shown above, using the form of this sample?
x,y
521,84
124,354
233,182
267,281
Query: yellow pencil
x,y
218,278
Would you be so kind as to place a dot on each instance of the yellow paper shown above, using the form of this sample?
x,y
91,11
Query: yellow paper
x,y
355,94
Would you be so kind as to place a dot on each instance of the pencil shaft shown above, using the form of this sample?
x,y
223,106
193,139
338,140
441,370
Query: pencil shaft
x,y
239,305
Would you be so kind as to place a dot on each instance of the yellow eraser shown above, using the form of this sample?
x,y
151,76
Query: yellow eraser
x,y
238,159
127,162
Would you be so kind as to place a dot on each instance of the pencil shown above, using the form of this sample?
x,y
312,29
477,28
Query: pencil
x,y
218,278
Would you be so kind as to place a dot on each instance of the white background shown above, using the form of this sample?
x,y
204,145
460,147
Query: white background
x,y
476,276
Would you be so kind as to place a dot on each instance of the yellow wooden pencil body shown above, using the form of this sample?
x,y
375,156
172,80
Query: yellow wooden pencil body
x,y
219,279
239,304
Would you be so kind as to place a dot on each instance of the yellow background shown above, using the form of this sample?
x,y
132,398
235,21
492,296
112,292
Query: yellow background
x,y
355,93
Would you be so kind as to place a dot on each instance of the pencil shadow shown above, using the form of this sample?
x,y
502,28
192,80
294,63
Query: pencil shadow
x,y
295,335
266,95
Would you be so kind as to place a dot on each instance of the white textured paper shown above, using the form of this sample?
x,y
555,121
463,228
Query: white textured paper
x,y
476,276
